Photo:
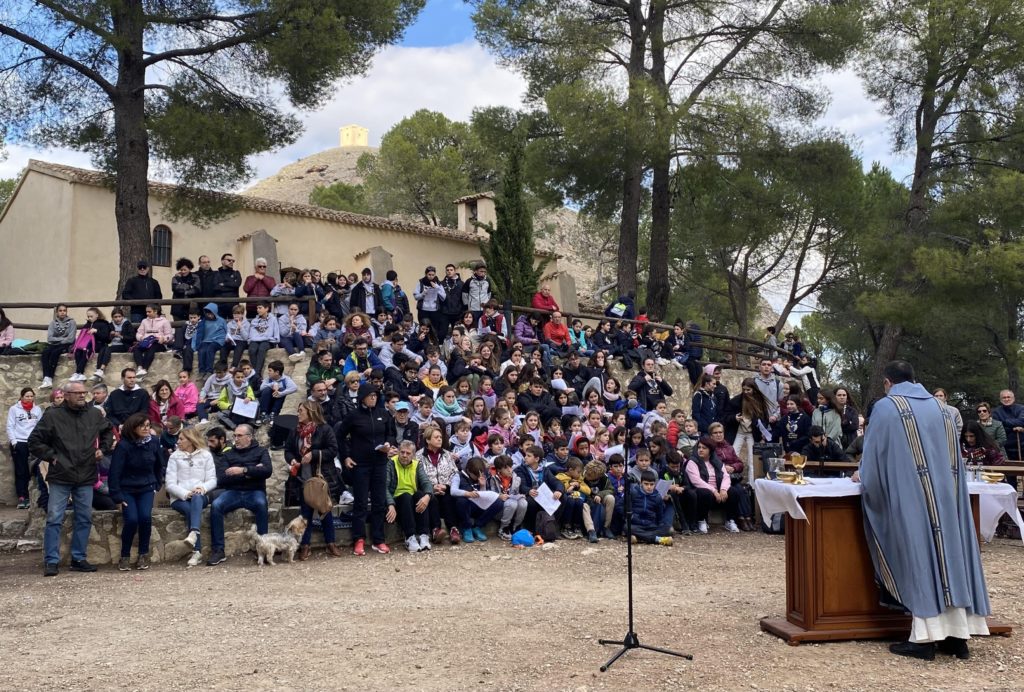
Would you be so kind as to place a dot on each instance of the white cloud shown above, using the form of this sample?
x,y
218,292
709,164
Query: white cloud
x,y
450,79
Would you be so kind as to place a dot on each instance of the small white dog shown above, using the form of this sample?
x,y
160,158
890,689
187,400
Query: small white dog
x,y
287,542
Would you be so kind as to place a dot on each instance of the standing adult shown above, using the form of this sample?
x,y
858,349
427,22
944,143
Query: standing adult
x,y
623,307
451,307
242,473
72,438
185,285
257,285
226,282
543,300
1011,415
136,471
917,517
142,286
309,451
476,292
954,412
365,439
365,295
206,275
771,386
430,295
22,419
650,387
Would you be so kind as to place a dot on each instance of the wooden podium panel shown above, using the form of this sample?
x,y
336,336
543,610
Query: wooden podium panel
x,y
830,585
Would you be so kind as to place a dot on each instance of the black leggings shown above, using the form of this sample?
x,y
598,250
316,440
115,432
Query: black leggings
x,y
51,357
19,454
144,359
706,500
442,507
82,357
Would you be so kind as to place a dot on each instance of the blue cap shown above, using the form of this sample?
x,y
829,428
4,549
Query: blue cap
x,y
403,406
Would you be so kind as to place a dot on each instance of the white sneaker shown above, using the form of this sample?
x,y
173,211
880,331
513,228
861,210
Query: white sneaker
x,y
346,498
296,357
47,383
191,538
98,375
140,372
413,544
424,542
662,361
76,378
196,559
702,527
731,527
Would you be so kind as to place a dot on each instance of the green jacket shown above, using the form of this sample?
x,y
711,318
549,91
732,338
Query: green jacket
x,y
318,373
422,481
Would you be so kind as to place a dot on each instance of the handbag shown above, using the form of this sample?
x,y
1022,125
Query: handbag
x,y
316,492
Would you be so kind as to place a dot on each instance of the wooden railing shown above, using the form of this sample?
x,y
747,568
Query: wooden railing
x,y
310,302
738,353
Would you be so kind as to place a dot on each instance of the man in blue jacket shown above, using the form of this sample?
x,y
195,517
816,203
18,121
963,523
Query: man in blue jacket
x,y
1011,415
242,474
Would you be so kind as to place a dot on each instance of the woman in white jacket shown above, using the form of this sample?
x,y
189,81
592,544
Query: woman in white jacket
x,y
21,419
191,475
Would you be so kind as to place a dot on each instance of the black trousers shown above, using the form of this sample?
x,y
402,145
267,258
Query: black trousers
x,y
413,523
19,454
144,359
706,500
51,357
442,507
369,483
685,504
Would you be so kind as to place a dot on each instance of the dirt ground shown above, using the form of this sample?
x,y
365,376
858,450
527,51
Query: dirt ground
x,y
472,617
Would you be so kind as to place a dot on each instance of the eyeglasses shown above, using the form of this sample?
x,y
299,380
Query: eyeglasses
x,y
258,266
982,410
231,261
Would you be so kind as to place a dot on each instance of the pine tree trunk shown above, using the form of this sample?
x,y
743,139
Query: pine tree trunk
x,y
131,158
633,166
657,265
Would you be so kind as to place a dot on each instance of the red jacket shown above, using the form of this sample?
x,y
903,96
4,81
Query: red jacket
x,y
557,334
256,287
174,408
541,303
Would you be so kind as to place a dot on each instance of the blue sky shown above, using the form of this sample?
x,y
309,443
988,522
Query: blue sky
x,y
441,23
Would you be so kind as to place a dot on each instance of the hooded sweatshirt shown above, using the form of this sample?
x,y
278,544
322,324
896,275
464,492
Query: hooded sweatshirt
x,y
213,386
212,328
61,331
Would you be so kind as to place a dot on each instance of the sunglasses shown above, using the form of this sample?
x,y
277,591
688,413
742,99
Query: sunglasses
x,y
982,410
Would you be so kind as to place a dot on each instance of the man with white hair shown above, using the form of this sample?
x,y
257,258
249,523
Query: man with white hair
x,y
257,285
242,474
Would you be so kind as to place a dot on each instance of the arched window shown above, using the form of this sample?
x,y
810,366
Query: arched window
x,y
161,246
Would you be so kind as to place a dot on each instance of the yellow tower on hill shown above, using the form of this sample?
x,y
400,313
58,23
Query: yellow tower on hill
x,y
355,136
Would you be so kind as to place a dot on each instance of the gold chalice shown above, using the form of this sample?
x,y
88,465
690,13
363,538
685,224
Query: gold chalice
x,y
799,461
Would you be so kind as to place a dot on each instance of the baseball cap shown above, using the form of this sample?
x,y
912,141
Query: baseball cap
x,y
142,264
403,406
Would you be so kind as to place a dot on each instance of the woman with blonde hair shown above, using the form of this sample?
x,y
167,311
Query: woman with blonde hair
x,y
190,477
310,450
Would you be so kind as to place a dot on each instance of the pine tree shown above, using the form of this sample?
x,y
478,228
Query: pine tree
x,y
509,248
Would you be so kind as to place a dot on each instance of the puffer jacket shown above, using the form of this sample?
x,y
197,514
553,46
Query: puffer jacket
x,y
68,438
445,470
188,470
136,467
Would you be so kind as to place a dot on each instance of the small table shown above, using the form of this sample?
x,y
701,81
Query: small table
x,y
830,582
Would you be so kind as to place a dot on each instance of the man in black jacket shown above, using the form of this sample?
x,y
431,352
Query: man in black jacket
x,y
226,282
206,276
538,399
141,287
451,307
242,474
366,438
649,386
127,399
66,438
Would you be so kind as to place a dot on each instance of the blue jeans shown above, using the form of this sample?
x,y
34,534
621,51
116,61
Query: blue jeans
x,y
269,405
193,511
471,516
326,524
293,343
207,356
55,509
253,500
137,516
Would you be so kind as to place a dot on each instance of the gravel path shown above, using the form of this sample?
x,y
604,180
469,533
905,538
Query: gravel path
x,y
471,617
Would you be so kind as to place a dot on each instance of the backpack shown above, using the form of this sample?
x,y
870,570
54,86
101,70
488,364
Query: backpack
x,y
546,527
316,492
618,309
776,524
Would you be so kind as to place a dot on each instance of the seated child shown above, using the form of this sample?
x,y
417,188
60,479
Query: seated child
x,y
575,510
187,394
507,484
466,487
616,489
649,524
408,496
237,387
601,501
210,394
532,477
274,390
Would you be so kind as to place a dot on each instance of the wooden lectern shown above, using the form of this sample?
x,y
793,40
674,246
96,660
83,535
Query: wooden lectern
x,y
830,584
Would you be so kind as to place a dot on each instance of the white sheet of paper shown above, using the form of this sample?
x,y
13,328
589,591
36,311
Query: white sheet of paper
x,y
249,410
765,432
486,499
572,411
662,487
546,499
559,383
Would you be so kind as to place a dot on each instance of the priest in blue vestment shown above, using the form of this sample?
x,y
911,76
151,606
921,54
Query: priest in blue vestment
x,y
917,519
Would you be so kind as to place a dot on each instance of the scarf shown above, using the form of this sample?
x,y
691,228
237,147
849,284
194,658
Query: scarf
x,y
434,387
305,432
143,441
28,405
447,409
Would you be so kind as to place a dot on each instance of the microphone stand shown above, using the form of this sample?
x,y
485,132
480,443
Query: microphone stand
x,y
631,640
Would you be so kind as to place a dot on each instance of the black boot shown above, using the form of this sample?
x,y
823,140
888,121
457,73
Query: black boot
x,y
955,647
926,652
